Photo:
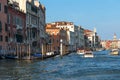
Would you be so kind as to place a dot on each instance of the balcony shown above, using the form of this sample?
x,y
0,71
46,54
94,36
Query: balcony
x,y
33,26
18,27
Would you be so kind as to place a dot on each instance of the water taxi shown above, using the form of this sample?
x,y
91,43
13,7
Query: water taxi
x,y
80,52
114,52
88,54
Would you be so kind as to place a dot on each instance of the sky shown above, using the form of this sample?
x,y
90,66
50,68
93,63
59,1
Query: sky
x,y
104,15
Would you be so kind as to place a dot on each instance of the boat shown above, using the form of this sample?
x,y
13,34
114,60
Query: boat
x,y
81,52
114,52
100,49
49,53
2,56
37,55
88,54
11,57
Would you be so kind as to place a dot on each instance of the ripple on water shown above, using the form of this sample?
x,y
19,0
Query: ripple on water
x,y
71,67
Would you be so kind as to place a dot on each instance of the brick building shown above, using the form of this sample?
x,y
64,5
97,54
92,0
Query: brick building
x,y
17,28
35,23
3,26
56,34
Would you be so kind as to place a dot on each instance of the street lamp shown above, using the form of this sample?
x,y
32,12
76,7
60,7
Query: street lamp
x,y
61,46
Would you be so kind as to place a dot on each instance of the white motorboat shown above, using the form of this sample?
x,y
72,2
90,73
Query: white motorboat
x,y
88,54
49,53
114,52
80,52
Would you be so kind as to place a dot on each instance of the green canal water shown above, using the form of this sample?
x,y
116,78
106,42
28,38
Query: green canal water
x,y
71,67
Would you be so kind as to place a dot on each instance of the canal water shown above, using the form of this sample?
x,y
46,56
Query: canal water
x,y
71,67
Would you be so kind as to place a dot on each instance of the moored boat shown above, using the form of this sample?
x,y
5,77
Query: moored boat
x,y
11,57
2,57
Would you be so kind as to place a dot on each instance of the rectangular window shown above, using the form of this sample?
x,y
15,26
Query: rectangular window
x,y
34,9
0,26
20,22
28,6
27,18
5,9
19,38
14,20
6,27
6,38
1,38
8,18
34,20
0,6
0,47
17,20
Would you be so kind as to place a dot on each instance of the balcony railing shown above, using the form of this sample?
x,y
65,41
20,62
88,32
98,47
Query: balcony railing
x,y
18,27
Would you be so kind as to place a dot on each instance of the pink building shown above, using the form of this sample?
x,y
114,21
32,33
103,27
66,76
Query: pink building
x,y
16,24
3,26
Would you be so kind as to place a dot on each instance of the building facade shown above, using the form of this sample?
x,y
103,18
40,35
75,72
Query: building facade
x,y
16,28
110,44
106,44
3,27
35,23
93,39
57,34
70,28
35,15
80,40
75,34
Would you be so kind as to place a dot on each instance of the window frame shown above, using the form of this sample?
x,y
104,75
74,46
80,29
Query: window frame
x,y
5,9
6,27
0,26
0,6
1,38
6,38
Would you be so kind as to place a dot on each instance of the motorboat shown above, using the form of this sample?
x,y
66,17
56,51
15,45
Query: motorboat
x,y
114,52
88,54
81,52
49,53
